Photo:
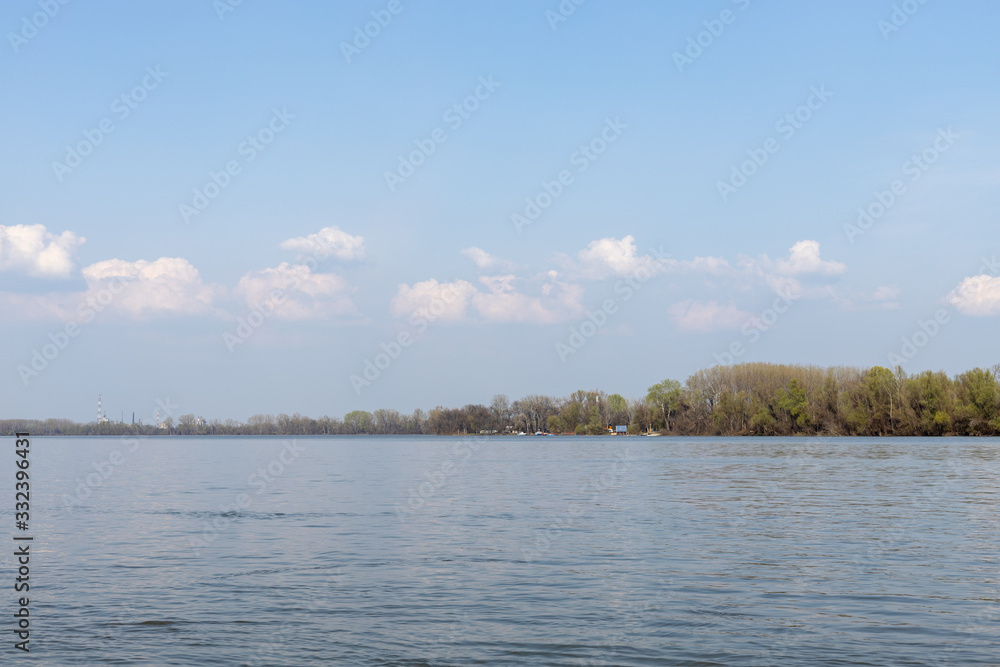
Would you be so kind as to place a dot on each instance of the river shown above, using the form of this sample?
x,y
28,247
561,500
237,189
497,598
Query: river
x,y
511,551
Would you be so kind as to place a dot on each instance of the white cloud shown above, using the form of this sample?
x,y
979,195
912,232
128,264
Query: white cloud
x,y
451,302
704,316
513,307
486,261
978,296
498,284
169,285
328,241
37,252
433,300
803,258
785,276
610,257
555,296
295,293
785,286
504,303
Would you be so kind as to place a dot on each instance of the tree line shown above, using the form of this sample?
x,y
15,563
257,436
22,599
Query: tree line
x,y
743,399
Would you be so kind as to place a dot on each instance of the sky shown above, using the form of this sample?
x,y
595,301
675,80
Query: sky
x,y
231,208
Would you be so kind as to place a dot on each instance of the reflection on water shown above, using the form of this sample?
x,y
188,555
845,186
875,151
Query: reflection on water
x,y
504,551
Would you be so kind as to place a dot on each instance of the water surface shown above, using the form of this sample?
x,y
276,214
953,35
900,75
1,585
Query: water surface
x,y
514,551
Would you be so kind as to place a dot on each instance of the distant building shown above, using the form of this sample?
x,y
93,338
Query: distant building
x,y
102,418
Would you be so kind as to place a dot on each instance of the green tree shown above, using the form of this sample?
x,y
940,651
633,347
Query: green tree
x,y
793,401
872,412
979,396
358,421
664,398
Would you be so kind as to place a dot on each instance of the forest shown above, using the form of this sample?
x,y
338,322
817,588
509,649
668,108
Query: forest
x,y
744,399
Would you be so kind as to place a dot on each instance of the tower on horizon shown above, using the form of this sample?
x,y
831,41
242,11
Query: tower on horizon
x,y
100,413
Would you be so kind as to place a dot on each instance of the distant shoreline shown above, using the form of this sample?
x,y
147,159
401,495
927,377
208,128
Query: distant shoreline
x,y
670,436
750,399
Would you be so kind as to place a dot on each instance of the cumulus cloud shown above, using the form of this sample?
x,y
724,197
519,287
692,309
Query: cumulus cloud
x,y
502,302
293,292
433,300
169,285
803,258
977,296
328,241
37,252
705,316
486,261
785,276
608,257
558,295
514,307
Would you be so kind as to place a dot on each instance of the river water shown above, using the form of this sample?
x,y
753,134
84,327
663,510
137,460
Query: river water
x,y
510,551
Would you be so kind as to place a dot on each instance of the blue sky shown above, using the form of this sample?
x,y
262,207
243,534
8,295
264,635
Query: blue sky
x,y
665,235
